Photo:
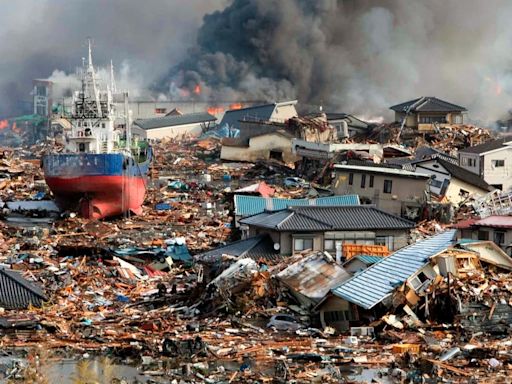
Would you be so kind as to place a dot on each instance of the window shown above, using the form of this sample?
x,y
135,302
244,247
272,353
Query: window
x,y
350,178
471,162
371,181
102,125
363,180
81,147
499,237
160,110
40,90
498,186
388,241
432,119
483,235
421,280
388,186
436,183
334,316
498,163
328,245
463,193
300,244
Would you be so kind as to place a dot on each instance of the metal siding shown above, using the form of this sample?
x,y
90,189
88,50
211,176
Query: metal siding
x,y
252,205
372,285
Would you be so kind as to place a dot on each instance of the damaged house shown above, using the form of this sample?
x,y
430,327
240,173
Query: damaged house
x,y
451,182
173,126
492,161
328,228
426,113
393,190
357,298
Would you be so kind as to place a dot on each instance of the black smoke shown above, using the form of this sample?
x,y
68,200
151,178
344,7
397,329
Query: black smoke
x,y
356,56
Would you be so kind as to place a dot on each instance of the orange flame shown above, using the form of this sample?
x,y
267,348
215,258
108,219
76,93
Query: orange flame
x,y
215,110
236,106
4,124
197,89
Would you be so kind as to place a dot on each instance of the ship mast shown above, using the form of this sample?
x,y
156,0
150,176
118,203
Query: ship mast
x,y
112,80
91,76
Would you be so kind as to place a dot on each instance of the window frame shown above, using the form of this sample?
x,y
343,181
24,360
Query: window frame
x,y
388,182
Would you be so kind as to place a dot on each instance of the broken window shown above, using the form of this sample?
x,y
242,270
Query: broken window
x,y
483,235
499,237
463,193
276,155
388,186
498,163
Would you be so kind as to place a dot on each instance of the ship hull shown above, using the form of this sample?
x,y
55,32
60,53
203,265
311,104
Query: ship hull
x,y
96,185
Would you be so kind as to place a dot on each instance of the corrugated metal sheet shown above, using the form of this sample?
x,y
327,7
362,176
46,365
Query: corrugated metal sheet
x,y
16,292
351,250
374,284
313,276
252,205
369,259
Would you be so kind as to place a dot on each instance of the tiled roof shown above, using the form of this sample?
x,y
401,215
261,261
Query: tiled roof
x,y
256,247
374,284
171,121
465,175
317,218
427,104
495,222
16,292
485,147
251,205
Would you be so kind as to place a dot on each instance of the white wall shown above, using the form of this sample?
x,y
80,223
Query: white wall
x,y
174,132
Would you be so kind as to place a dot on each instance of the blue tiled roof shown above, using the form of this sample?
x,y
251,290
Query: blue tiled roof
x,y
374,284
252,205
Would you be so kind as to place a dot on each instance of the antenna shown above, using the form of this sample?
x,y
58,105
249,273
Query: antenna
x,y
112,80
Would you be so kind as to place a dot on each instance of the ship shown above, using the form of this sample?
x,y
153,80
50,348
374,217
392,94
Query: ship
x,y
102,171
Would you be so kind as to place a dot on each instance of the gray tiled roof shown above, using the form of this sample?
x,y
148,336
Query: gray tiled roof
x,y
172,121
16,292
319,218
485,147
427,104
258,112
256,247
465,175
374,284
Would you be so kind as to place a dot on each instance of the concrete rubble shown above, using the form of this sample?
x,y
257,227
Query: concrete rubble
x,y
130,287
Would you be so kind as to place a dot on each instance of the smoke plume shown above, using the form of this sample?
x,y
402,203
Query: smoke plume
x,y
354,56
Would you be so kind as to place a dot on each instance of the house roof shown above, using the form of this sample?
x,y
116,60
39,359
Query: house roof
x,y
495,221
464,175
16,292
261,187
252,205
174,120
486,147
425,152
261,246
427,104
256,113
374,284
325,218
367,259
313,276
381,170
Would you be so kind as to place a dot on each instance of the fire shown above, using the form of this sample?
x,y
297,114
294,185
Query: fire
x,y
4,124
236,106
197,89
215,110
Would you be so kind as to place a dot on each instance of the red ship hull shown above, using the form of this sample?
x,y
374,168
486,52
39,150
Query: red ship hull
x,y
98,196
